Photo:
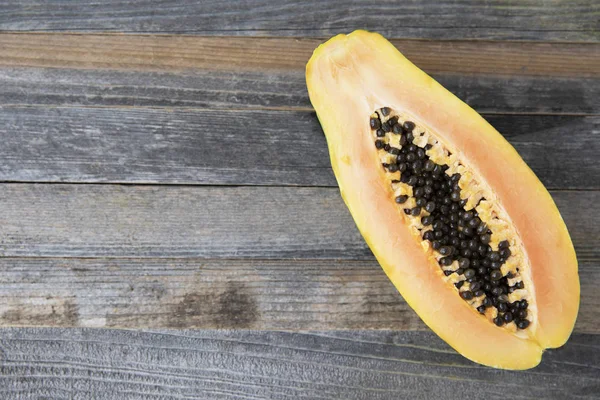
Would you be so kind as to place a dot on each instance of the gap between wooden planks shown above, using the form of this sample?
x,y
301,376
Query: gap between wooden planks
x,y
168,53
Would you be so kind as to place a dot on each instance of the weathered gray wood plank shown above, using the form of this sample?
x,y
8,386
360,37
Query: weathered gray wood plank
x,y
572,20
249,147
162,146
275,90
216,294
205,221
350,365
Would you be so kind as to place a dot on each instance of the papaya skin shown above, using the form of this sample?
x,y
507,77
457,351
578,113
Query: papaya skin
x,y
349,77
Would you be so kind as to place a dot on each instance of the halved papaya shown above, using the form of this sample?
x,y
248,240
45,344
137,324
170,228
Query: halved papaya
x,y
459,223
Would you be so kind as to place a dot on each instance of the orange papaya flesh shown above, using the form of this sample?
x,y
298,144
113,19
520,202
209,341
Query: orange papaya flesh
x,y
373,105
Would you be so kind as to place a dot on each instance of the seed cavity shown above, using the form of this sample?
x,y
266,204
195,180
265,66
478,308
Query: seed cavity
x,y
476,248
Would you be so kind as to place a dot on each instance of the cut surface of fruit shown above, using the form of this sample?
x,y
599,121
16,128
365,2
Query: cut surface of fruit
x,y
457,220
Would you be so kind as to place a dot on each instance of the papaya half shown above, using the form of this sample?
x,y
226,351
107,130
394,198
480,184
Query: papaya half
x,y
459,223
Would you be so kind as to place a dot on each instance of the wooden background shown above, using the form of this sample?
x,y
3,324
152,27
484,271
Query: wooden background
x,y
162,171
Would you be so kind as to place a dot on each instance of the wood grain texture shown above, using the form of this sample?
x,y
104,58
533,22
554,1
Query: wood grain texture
x,y
559,20
275,91
291,295
170,53
243,147
56,220
173,71
227,365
